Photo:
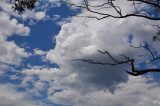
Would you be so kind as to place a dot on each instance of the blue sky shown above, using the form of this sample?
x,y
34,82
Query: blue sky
x,y
41,37
38,46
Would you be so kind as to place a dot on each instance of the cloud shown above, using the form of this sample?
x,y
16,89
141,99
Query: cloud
x,y
135,92
31,14
39,15
139,91
92,85
44,74
10,26
77,83
36,14
10,97
6,7
81,38
10,53
39,52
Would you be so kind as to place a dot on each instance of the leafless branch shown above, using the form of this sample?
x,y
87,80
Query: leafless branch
x,y
110,4
146,47
21,5
134,71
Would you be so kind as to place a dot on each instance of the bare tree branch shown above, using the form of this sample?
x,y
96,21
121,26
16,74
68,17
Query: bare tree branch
x,y
21,5
134,71
110,4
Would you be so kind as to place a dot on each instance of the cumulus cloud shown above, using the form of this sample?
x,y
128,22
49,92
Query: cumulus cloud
x,y
78,83
39,52
135,92
139,91
37,15
81,38
10,26
31,15
44,74
6,6
10,97
10,53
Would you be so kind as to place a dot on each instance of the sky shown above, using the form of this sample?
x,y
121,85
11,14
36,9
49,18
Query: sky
x,y
38,46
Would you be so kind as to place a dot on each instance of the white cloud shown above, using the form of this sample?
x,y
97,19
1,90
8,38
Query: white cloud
x,y
6,6
10,97
83,37
91,85
10,26
10,53
45,74
39,15
28,14
39,52
44,79
139,91
32,14
84,84
136,92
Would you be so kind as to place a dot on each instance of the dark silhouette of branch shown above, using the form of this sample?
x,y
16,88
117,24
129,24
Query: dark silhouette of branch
x,y
21,5
127,60
117,9
141,72
146,47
